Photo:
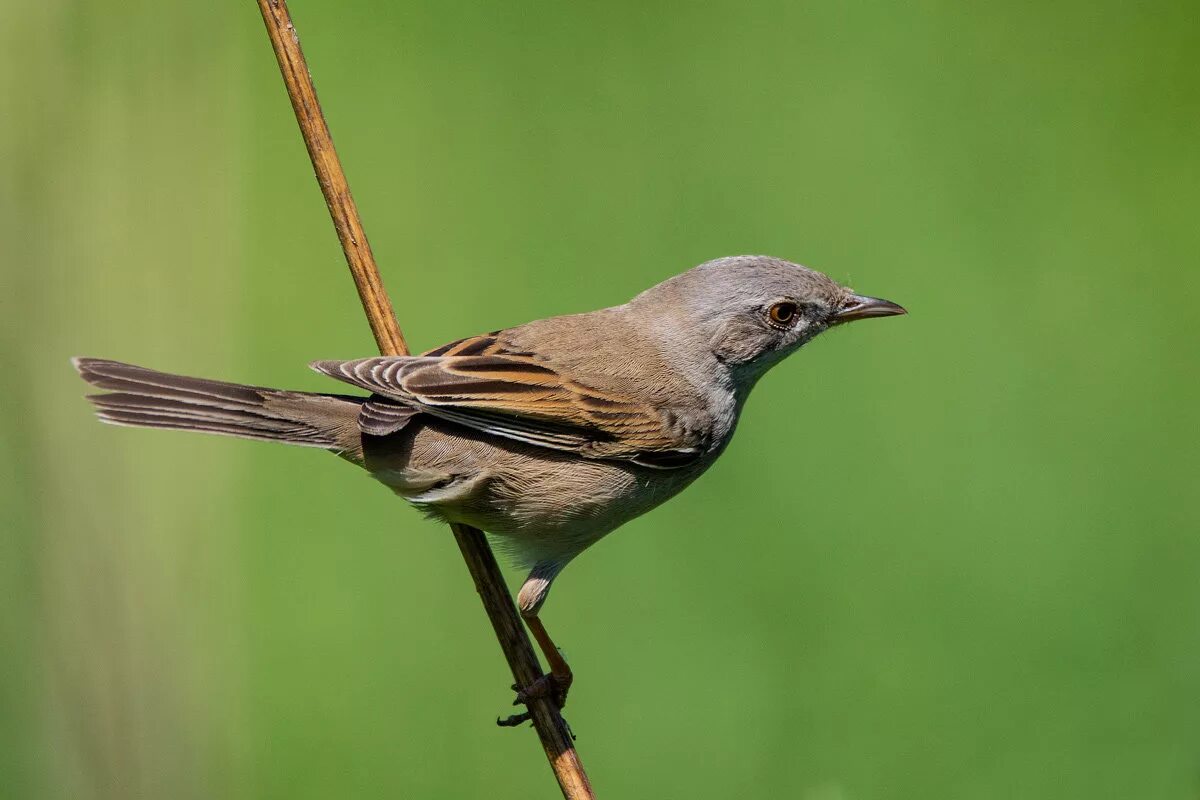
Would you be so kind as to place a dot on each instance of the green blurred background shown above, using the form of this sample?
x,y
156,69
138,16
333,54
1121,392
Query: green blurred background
x,y
948,556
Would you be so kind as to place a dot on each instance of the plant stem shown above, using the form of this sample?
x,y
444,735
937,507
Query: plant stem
x,y
489,582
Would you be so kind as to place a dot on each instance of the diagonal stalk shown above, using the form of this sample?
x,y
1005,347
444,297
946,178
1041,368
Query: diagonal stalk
x,y
489,582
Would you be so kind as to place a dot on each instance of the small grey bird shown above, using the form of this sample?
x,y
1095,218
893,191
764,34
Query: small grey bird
x,y
548,435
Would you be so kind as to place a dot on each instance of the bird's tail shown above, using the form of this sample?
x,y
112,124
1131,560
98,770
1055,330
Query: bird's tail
x,y
144,398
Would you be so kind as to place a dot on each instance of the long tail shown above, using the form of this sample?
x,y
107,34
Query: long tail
x,y
144,398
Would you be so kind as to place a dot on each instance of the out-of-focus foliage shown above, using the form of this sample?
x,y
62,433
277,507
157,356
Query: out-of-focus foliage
x,y
953,555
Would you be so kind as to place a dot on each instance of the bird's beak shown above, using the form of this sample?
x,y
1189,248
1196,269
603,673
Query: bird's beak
x,y
859,307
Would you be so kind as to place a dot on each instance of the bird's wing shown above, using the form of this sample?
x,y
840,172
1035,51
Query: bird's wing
x,y
521,397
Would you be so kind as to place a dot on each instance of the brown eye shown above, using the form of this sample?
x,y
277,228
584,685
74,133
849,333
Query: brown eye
x,y
782,313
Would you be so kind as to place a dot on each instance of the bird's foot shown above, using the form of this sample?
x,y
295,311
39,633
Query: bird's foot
x,y
551,686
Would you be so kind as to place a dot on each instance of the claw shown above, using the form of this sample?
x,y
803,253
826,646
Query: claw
x,y
514,720
549,686
525,716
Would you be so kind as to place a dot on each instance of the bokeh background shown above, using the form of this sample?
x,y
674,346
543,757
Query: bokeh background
x,y
954,555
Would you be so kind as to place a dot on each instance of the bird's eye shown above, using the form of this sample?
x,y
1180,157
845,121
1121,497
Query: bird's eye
x,y
782,313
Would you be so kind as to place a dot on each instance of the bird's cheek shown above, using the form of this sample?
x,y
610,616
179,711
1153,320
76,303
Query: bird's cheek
x,y
736,342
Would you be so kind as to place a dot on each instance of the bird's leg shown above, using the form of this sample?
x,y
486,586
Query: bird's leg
x,y
554,684
557,682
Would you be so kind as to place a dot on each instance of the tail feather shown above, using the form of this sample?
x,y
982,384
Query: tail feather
x,y
117,376
145,398
152,406
135,419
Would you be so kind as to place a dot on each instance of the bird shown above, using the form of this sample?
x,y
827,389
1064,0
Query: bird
x,y
547,435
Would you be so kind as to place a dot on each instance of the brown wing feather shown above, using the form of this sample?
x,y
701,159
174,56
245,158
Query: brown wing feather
x,y
380,416
475,382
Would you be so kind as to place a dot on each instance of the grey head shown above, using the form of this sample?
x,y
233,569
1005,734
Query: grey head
x,y
750,312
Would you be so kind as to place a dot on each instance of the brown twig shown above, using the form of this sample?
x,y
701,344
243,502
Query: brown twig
x,y
489,582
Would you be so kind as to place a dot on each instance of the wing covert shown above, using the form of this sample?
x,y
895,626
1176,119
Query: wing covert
x,y
475,383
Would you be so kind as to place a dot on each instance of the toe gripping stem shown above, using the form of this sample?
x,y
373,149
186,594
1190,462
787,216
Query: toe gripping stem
x,y
554,685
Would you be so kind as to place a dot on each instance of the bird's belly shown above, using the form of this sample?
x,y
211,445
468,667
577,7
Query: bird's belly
x,y
577,496
541,504
555,509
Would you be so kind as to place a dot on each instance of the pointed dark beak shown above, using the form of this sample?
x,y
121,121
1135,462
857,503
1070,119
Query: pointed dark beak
x,y
859,307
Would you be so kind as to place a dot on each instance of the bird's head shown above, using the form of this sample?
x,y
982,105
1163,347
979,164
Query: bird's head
x,y
752,311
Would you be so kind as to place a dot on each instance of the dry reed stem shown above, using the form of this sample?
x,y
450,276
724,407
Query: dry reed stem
x,y
489,582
